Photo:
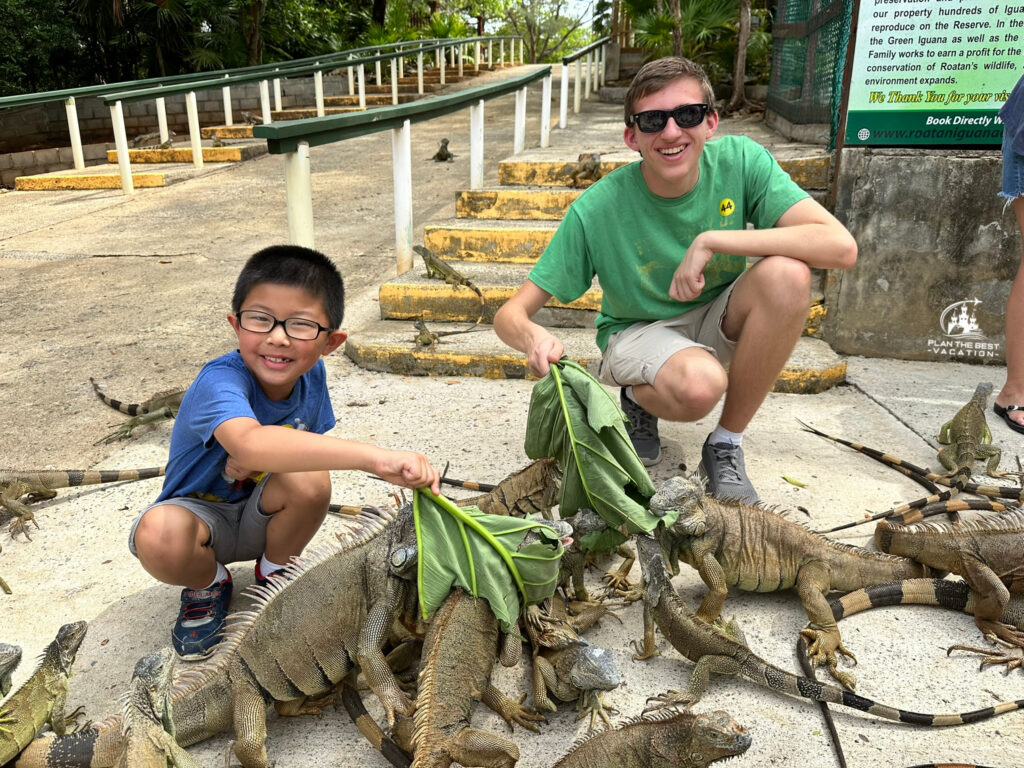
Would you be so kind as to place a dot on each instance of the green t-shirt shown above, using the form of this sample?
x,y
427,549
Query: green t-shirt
x,y
633,240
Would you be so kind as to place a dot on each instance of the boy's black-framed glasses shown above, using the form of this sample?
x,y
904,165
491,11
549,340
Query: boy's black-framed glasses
x,y
295,327
654,120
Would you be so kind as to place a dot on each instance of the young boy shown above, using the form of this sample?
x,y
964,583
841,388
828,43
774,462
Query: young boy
x,y
682,320
248,473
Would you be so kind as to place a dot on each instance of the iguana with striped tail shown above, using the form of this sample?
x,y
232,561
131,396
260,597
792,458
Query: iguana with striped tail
x,y
988,553
10,658
162,405
717,651
758,550
667,739
41,699
302,636
38,484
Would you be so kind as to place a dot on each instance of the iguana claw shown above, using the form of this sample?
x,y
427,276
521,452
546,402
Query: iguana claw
x,y
642,654
822,647
515,712
1012,657
668,699
592,703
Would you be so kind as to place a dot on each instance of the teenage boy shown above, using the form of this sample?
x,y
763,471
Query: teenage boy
x,y
682,320
248,473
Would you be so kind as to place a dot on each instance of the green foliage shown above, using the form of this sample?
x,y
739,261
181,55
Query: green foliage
x,y
41,48
483,554
446,26
573,419
546,27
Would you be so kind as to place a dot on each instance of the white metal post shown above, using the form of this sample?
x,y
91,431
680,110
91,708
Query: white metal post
x,y
401,66
277,94
577,94
602,70
265,101
362,86
545,112
586,77
226,96
76,136
490,54
419,73
124,163
394,81
161,120
194,136
451,56
563,100
441,62
501,53
401,160
476,145
376,66
462,49
318,91
298,188
522,51
476,57
351,82
519,136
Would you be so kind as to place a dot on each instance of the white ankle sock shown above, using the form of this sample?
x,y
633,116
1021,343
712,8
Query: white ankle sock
x,y
723,435
221,575
267,567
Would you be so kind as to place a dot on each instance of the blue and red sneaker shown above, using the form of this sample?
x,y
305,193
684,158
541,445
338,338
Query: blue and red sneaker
x,y
200,620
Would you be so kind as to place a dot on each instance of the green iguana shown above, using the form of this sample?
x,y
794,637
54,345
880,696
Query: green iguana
x,y
39,484
10,658
716,651
587,171
148,719
425,337
302,636
443,154
663,740
162,405
42,698
988,553
442,270
758,550
458,654
532,490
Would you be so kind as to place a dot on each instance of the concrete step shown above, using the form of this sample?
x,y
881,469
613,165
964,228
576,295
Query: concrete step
x,y
402,87
512,242
305,113
389,346
183,154
377,99
520,203
102,177
227,131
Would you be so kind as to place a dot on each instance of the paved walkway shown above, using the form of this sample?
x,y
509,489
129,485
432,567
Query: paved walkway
x,y
133,292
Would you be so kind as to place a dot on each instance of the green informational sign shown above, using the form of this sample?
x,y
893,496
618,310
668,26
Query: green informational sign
x,y
933,72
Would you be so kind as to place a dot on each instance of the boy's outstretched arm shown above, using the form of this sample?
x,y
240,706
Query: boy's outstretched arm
x,y
268,448
514,326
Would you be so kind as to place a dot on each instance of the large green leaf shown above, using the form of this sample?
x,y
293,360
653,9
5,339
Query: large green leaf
x,y
574,419
483,554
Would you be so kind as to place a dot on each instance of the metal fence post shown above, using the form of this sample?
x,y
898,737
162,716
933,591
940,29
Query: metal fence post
x,y
476,145
277,94
161,119
419,73
265,101
226,95
394,81
563,101
124,163
76,136
577,95
519,134
362,86
401,154
545,112
194,136
586,77
476,57
299,196
318,92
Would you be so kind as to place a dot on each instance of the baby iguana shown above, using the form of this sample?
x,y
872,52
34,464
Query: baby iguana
x,y
10,658
42,698
717,651
443,155
148,718
162,405
758,550
663,740
425,337
588,171
442,270
988,553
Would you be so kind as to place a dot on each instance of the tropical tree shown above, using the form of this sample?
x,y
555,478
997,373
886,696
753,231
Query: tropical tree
x,y
547,29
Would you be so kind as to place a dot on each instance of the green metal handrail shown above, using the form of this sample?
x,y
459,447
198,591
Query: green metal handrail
x,y
584,51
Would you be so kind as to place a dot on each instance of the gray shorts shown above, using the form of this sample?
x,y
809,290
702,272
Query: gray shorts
x,y
635,354
238,530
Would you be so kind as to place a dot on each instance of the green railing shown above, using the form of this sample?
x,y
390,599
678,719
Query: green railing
x,y
595,57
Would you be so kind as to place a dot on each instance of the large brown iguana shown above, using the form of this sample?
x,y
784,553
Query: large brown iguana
x,y
988,553
37,484
42,698
148,717
162,405
758,550
717,651
458,654
663,740
10,658
302,636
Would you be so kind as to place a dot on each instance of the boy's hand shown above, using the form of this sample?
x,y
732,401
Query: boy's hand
x,y
408,469
236,471
545,352
688,280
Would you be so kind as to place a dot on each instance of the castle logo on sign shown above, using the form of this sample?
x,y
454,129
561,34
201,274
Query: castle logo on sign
x,y
962,336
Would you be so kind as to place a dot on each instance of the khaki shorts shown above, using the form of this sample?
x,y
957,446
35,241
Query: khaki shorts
x,y
635,354
238,530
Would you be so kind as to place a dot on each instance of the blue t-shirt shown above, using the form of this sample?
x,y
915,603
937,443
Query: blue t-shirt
x,y
225,389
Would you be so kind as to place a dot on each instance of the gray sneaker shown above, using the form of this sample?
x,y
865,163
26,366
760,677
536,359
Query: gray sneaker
x,y
643,431
722,465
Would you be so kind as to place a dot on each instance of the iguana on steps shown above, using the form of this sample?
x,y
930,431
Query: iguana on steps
x,y
148,722
988,553
10,658
442,270
425,337
758,550
587,171
42,698
716,651
663,740
458,654
302,637
162,405
37,484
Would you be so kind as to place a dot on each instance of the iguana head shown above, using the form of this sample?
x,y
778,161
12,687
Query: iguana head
x,y
10,657
154,671
716,735
61,652
685,494
594,669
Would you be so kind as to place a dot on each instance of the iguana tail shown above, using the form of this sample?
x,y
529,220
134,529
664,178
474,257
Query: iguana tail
x,y
72,478
367,726
96,747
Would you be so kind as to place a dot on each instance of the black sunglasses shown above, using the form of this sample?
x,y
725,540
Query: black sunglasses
x,y
654,120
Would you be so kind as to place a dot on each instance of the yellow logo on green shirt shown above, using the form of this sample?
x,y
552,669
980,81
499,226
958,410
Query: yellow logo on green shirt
x,y
726,207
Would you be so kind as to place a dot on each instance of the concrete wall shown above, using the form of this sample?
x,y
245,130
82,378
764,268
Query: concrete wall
x,y
937,256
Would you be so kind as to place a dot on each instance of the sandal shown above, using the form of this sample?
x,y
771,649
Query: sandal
x,y
1004,413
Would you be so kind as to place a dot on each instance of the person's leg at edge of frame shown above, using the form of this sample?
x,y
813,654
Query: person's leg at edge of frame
x,y
1012,392
297,505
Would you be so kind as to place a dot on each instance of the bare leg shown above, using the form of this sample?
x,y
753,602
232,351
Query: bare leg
x,y
297,503
1012,392
171,543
